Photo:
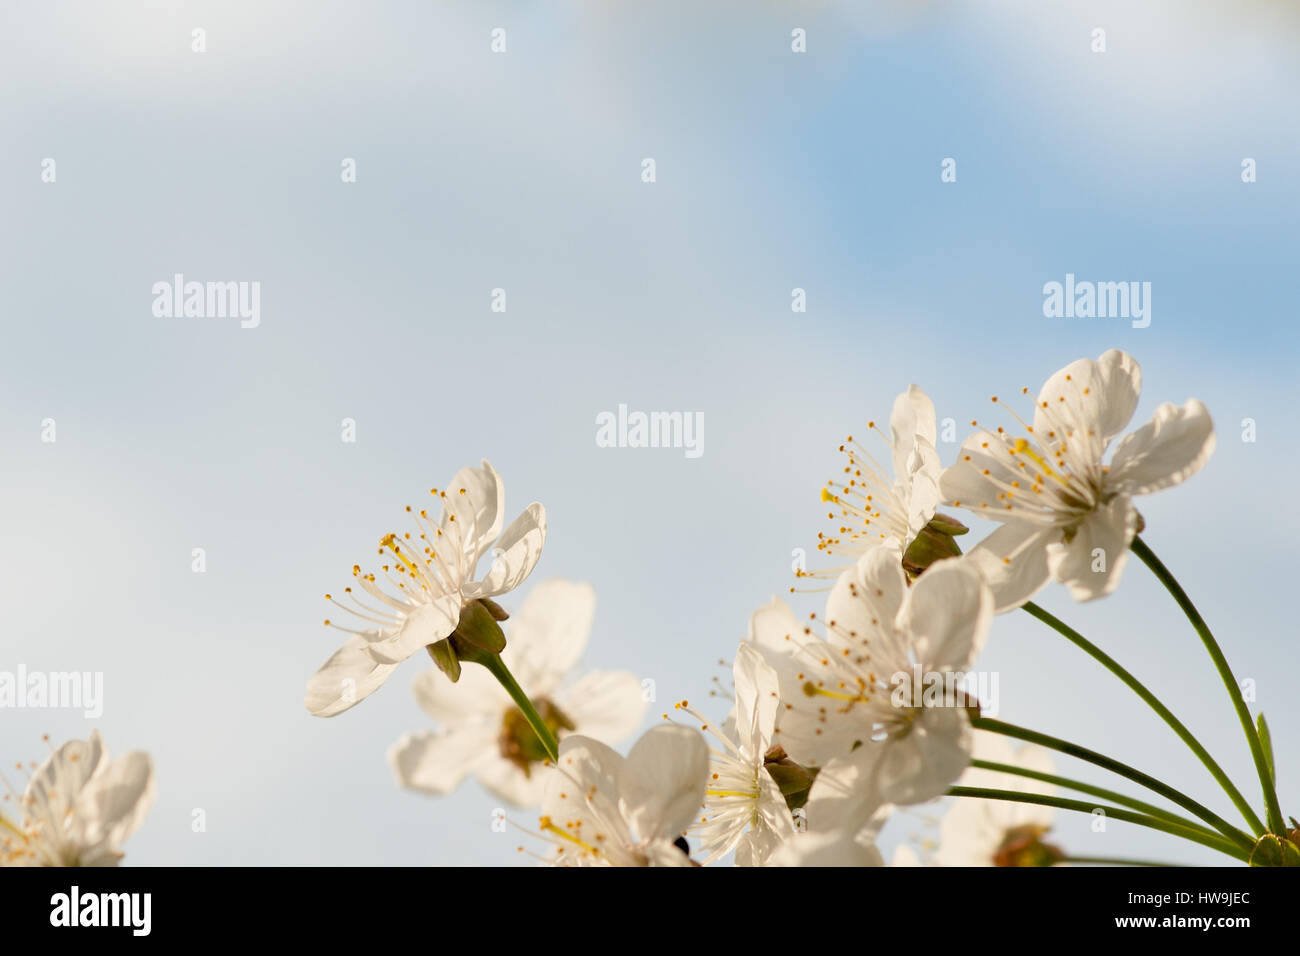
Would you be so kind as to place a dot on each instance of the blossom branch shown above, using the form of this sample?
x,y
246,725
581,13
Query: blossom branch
x,y
1070,634
1157,567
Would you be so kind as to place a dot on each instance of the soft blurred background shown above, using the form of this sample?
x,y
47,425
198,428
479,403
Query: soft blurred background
x,y
522,171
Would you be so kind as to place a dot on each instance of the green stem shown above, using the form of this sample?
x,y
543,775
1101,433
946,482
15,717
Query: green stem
x,y
497,668
1124,770
1142,807
1148,557
1118,813
1154,703
1115,861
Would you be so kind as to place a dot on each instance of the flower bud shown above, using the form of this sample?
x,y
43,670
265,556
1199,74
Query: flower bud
x,y
794,780
934,543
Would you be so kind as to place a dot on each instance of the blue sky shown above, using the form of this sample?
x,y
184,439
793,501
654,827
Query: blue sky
x,y
476,171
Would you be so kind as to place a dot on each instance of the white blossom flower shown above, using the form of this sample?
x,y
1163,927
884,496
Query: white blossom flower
x,y
872,506
602,809
481,730
1065,514
977,832
841,819
744,809
79,807
851,693
432,574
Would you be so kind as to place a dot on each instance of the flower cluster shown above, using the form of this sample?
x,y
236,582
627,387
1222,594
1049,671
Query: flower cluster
x,y
842,715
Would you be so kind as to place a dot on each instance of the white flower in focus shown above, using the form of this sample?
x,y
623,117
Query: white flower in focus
x,y
743,806
431,575
481,730
978,832
79,807
850,694
874,507
1065,514
602,809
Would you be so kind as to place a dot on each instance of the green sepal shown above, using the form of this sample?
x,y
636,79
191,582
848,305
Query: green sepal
x,y
934,543
443,655
1273,850
794,780
478,628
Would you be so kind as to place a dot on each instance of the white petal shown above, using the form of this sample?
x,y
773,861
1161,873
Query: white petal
x,y
947,615
757,699
424,625
844,795
59,780
1170,448
435,762
774,630
866,598
475,696
348,677
477,497
514,556
912,418
661,784
116,801
904,855
922,764
547,635
778,635
825,849
1013,560
1091,563
606,705
507,780
581,796
1099,396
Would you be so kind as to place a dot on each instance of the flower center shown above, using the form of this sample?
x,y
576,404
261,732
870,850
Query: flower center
x,y
518,742
1024,846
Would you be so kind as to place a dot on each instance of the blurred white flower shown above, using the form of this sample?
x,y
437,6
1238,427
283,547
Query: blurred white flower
x,y
1065,514
848,695
874,507
743,806
602,809
826,849
977,832
432,574
78,808
482,732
